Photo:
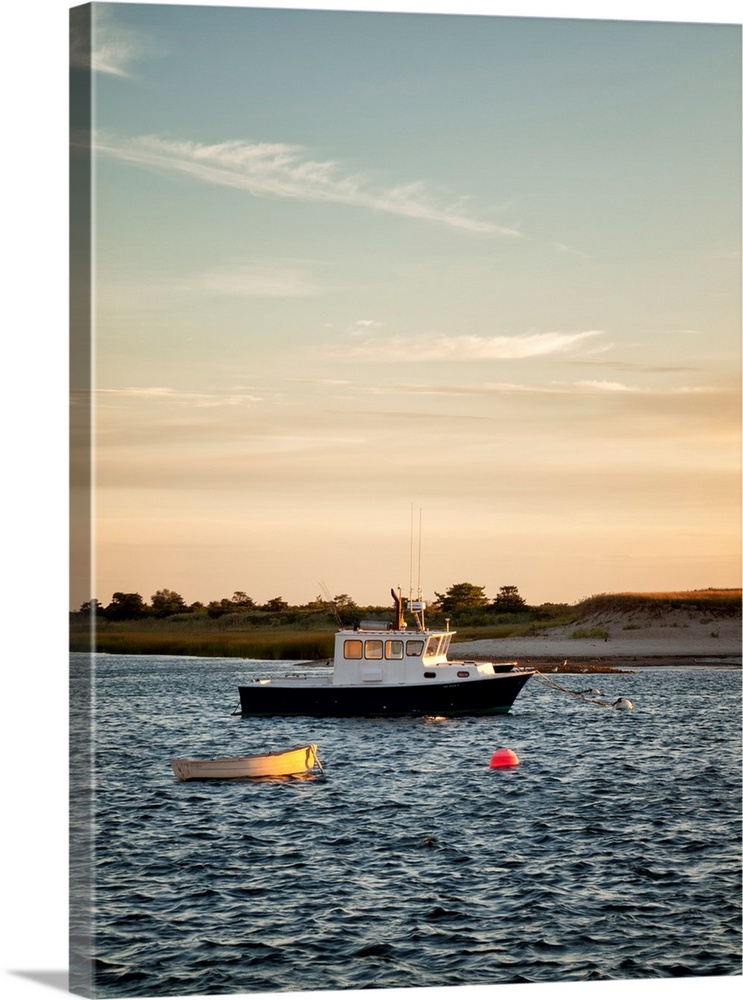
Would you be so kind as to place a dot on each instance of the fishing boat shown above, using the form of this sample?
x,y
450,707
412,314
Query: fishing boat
x,y
386,668
298,760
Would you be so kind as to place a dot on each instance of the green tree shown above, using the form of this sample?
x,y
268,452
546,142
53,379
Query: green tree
x,y
125,606
167,602
342,601
241,600
462,597
509,600
91,607
215,609
275,604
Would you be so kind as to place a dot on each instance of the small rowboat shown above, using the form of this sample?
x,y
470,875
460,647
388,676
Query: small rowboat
x,y
298,760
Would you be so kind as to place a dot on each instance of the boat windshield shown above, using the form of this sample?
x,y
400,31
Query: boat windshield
x,y
432,646
437,645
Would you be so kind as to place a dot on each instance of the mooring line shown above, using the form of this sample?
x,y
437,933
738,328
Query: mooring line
x,y
575,694
316,758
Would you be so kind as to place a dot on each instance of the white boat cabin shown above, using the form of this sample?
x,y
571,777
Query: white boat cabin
x,y
382,653
387,653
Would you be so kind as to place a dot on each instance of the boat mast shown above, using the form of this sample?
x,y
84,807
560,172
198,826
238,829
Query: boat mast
x,y
410,590
420,594
332,603
416,605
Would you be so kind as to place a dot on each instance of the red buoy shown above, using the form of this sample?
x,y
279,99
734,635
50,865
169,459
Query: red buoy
x,y
504,758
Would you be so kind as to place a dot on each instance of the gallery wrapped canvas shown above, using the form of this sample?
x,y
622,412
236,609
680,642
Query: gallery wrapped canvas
x,y
405,590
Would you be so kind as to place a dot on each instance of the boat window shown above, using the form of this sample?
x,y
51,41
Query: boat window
x,y
429,673
352,649
393,649
432,646
444,648
414,647
373,649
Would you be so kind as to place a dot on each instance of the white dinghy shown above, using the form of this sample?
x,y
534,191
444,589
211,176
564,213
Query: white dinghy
x,y
298,760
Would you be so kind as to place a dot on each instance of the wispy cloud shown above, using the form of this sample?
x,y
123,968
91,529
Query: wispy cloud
x,y
594,388
564,248
680,390
111,47
256,279
554,388
362,326
440,347
632,366
323,382
279,170
178,397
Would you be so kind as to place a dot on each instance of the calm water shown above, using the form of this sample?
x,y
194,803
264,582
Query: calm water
x,y
611,852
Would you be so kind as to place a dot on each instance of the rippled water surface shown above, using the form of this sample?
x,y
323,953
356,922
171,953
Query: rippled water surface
x,y
611,852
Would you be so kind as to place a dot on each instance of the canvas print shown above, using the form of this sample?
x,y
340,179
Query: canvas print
x,y
405,617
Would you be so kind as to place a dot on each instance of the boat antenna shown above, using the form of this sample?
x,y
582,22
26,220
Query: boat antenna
x,y
416,606
332,603
410,592
420,534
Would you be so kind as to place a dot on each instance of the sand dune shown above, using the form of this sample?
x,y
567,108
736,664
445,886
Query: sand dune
x,y
638,637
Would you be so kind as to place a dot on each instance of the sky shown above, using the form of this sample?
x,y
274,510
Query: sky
x,y
354,269
35,404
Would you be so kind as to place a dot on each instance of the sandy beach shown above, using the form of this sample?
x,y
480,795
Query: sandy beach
x,y
676,638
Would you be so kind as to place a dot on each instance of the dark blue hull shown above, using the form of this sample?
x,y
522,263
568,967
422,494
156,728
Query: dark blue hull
x,y
488,696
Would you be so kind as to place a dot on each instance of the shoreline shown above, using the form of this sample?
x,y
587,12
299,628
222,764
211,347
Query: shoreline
x,y
628,642
614,640
617,664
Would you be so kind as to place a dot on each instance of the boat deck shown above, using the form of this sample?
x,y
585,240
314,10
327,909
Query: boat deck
x,y
439,673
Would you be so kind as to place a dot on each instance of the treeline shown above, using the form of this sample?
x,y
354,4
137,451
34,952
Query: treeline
x,y
462,603
466,602
168,603
276,630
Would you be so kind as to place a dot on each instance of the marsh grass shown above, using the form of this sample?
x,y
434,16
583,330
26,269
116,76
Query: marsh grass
x,y
167,639
256,645
187,636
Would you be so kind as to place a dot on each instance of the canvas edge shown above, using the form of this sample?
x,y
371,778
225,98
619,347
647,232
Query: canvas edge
x,y
81,841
